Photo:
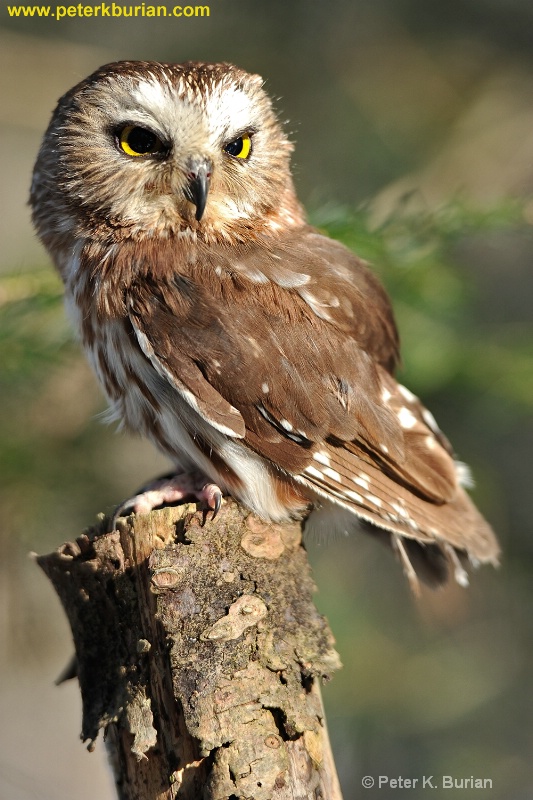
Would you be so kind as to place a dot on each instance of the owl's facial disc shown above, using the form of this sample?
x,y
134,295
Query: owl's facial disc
x,y
169,149
198,175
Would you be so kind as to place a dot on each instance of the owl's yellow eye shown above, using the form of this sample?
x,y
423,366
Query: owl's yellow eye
x,y
136,141
239,148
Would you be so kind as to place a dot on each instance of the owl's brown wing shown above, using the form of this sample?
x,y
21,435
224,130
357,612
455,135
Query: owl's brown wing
x,y
297,343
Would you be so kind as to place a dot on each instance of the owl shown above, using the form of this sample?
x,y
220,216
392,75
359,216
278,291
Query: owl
x,y
257,353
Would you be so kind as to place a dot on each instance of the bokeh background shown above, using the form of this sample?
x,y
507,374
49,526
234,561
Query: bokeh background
x,y
413,121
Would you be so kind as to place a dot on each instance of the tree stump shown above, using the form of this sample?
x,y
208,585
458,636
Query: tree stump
x,y
199,653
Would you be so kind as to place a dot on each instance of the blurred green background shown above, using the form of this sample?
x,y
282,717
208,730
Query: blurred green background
x,y
413,123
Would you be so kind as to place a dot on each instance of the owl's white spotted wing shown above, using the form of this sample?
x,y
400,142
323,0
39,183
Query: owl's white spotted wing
x,y
298,342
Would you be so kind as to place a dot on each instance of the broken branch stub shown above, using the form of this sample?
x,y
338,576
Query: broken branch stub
x,y
199,653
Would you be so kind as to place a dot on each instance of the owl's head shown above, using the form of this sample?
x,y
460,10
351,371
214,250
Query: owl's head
x,y
145,149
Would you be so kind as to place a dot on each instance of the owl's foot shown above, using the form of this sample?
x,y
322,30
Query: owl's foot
x,y
171,489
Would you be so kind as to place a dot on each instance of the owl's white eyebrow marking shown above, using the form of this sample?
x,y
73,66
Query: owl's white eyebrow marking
x,y
229,110
176,114
153,95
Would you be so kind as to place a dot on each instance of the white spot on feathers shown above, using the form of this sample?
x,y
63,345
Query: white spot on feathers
x,y
314,472
464,476
291,280
353,496
322,458
333,474
361,481
430,420
316,306
400,510
407,394
253,275
407,419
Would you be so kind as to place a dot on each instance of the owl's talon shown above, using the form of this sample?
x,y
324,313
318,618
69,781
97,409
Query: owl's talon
x,y
117,513
168,490
213,497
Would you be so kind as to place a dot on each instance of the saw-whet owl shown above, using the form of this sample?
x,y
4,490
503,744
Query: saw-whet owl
x,y
254,351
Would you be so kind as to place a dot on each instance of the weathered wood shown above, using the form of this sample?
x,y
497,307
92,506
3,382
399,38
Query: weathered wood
x,y
200,653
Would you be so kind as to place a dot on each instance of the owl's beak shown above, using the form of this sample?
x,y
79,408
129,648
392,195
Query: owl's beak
x,y
198,175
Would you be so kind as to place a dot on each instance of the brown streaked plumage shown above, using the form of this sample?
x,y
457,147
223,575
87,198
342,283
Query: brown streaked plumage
x,y
258,354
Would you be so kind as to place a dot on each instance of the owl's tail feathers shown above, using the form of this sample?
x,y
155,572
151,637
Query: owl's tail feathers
x,y
429,560
430,563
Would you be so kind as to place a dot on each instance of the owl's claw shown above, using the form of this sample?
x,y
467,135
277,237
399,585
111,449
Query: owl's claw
x,y
167,490
212,495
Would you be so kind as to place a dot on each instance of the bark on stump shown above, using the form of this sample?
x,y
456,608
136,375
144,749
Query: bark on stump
x,y
199,654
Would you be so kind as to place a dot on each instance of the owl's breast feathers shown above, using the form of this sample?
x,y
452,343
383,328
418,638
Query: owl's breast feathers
x,y
286,347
